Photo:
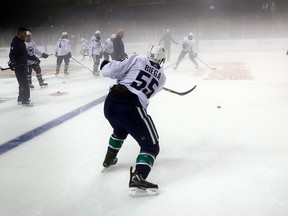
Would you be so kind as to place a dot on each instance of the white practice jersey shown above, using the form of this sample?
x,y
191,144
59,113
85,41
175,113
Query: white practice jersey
x,y
141,76
63,47
84,44
108,46
32,50
189,45
95,47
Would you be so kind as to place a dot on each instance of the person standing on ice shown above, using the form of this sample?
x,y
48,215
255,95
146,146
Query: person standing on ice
x,y
63,52
108,49
18,63
119,48
96,51
138,79
33,60
84,50
188,46
167,39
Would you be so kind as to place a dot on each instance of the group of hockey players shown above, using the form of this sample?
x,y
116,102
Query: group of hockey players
x,y
112,48
138,79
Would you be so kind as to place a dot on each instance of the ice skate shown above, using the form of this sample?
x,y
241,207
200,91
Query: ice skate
x,y
31,85
110,159
42,83
140,187
27,103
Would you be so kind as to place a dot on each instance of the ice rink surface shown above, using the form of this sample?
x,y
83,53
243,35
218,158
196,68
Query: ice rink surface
x,y
228,161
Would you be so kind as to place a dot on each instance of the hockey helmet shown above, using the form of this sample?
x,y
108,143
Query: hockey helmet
x,y
97,32
156,54
28,33
64,34
113,36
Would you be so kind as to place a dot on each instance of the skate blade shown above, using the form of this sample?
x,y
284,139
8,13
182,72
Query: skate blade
x,y
134,191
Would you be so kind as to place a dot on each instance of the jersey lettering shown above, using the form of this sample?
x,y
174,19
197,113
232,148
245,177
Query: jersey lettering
x,y
146,83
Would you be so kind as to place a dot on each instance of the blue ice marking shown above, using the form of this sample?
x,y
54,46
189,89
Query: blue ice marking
x,y
5,147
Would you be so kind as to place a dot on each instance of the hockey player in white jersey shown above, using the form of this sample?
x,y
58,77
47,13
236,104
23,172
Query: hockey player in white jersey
x,y
96,51
138,79
33,62
188,46
108,48
84,49
63,52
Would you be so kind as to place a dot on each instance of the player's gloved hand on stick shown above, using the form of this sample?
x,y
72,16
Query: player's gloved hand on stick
x,y
69,55
56,54
11,65
37,60
104,62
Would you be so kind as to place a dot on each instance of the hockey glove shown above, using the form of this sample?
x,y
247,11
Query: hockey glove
x,y
194,55
56,54
11,65
37,61
44,55
104,62
69,55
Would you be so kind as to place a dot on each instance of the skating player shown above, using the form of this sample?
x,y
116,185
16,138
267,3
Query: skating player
x,y
33,63
95,51
108,49
188,46
138,79
63,52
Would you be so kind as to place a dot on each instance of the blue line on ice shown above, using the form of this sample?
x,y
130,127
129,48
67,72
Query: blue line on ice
x,y
39,130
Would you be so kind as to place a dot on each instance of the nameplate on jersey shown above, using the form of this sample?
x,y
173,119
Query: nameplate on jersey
x,y
153,71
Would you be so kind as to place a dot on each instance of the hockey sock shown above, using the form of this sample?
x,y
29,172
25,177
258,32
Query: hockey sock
x,y
144,163
115,144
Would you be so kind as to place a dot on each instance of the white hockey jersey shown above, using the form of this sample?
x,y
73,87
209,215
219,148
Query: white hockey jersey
x,y
32,50
95,47
138,74
189,45
84,45
63,47
108,46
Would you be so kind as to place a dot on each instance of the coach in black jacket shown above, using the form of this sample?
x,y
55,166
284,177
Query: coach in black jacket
x,y
119,49
18,63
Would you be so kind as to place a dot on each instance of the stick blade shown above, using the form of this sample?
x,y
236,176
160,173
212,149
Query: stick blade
x,y
180,93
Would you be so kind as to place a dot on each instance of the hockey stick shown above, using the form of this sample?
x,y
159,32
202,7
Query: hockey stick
x,y
2,69
81,64
179,93
206,64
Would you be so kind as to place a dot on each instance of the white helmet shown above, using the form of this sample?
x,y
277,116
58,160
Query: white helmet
x,y
191,34
28,33
113,36
156,54
64,34
97,32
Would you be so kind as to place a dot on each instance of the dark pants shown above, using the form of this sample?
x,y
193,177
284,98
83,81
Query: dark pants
x,y
24,90
106,55
96,60
59,62
183,54
127,116
37,69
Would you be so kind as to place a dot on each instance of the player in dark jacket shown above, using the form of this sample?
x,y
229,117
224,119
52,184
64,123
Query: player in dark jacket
x,y
18,63
119,49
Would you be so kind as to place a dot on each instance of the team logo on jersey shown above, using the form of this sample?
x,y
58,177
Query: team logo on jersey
x,y
30,50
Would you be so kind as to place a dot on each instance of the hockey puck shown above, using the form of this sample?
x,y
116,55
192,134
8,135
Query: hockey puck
x,y
219,107
58,92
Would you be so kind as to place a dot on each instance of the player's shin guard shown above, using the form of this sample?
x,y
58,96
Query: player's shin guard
x,y
66,69
115,145
144,163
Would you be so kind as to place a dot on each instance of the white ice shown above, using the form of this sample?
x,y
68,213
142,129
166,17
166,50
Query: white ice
x,y
221,162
